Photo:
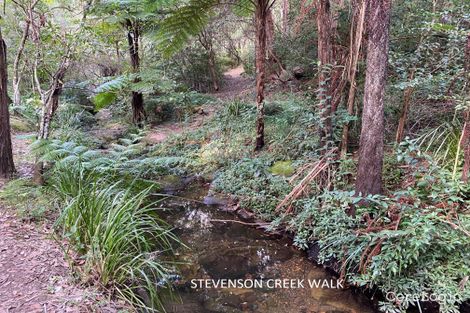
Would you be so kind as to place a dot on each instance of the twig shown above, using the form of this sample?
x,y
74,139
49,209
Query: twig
x,y
240,222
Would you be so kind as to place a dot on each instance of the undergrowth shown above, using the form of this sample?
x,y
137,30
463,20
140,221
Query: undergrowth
x,y
116,231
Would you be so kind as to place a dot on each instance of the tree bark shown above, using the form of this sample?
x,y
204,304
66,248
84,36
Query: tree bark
x,y
138,110
405,108
205,38
324,83
285,16
465,138
262,8
356,34
211,61
50,103
16,65
7,167
369,173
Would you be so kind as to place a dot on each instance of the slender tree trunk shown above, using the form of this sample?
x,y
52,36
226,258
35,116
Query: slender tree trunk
x,y
369,172
205,39
285,16
50,103
16,65
405,109
324,83
357,29
7,167
215,83
269,33
305,8
133,33
262,8
465,138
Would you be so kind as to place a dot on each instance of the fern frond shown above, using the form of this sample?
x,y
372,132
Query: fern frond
x,y
182,24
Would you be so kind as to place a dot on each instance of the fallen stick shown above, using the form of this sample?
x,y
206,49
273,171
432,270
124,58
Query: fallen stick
x,y
240,222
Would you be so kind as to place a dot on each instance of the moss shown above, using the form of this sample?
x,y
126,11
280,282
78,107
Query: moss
x,y
283,168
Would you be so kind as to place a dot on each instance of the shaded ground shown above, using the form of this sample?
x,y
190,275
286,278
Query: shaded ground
x,y
34,275
235,85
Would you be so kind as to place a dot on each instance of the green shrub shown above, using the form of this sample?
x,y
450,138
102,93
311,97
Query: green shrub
x,y
117,233
414,241
250,182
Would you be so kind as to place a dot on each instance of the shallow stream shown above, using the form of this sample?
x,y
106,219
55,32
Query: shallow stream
x,y
232,250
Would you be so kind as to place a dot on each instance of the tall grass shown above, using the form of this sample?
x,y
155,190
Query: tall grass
x,y
116,231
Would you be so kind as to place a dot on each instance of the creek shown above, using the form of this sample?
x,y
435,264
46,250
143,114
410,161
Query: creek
x,y
221,248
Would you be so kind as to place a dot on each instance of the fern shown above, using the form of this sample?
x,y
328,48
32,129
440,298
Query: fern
x,y
123,157
189,20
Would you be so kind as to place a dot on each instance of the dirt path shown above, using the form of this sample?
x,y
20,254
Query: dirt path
x,y
34,276
234,86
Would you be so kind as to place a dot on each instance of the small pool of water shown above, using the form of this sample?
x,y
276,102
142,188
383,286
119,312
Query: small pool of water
x,y
233,251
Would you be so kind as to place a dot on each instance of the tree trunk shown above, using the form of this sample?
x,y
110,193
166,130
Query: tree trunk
x,y
260,15
215,83
465,138
7,167
324,83
50,104
285,16
405,108
16,65
369,172
357,29
205,39
51,101
138,111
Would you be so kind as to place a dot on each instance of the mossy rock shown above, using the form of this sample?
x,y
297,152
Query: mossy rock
x,y
283,168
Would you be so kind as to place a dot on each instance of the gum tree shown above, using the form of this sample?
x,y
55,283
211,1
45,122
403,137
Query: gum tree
x,y
371,146
7,168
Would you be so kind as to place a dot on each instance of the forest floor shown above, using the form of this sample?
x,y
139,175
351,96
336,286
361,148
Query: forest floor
x,y
34,274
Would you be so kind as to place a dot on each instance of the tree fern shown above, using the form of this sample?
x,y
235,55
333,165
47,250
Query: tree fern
x,y
189,20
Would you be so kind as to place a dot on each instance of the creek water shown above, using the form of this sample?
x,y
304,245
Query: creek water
x,y
218,251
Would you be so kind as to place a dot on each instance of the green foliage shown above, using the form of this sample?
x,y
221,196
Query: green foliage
x,y
20,125
70,123
122,160
191,68
104,99
443,143
250,182
30,201
420,238
181,24
227,137
116,231
178,106
283,168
